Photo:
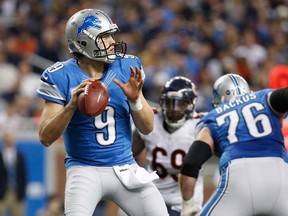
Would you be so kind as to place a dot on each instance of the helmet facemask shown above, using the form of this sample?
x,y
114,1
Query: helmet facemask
x,y
176,108
85,33
177,101
101,52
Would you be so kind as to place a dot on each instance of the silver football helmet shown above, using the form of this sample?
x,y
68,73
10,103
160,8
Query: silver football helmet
x,y
84,33
177,101
228,87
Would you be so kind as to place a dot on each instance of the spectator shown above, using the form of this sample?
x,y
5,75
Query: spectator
x,y
13,178
10,72
28,81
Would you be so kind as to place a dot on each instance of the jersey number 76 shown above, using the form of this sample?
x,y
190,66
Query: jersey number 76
x,y
258,124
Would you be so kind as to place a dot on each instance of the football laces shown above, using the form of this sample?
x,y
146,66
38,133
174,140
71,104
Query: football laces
x,y
86,89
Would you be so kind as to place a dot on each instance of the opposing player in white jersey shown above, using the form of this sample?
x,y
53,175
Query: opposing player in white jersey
x,y
99,161
170,140
244,130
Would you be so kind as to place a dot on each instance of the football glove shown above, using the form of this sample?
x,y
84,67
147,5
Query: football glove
x,y
189,208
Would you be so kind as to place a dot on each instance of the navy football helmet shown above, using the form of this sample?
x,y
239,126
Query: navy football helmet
x,y
84,33
177,101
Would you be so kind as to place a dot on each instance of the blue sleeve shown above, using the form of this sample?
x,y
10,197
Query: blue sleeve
x,y
53,86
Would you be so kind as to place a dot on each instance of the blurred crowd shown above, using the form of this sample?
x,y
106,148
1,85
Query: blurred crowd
x,y
199,39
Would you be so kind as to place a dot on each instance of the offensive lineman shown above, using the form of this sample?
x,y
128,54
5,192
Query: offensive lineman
x,y
244,130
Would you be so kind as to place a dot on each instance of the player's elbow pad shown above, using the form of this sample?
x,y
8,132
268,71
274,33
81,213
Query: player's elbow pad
x,y
279,100
197,155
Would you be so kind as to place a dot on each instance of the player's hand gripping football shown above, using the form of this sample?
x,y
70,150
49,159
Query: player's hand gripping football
x,y
77,91
134,85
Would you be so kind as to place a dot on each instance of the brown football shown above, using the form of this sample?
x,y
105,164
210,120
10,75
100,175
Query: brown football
x,y
94,99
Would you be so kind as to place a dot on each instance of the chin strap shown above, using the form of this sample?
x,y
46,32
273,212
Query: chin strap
x,y
177,125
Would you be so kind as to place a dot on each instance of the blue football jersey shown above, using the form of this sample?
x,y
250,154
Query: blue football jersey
x,y
106,139
246,127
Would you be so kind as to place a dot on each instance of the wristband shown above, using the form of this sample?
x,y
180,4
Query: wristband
x,y
135,106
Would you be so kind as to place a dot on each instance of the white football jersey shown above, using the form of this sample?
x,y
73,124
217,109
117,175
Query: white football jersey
x,y
165,153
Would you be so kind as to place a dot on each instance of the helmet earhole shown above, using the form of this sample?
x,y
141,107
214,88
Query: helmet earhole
x,y
83,43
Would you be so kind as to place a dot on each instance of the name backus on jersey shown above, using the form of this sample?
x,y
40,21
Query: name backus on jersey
x,y
238,101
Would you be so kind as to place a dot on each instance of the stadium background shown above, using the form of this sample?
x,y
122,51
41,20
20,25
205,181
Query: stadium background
x,y
199,39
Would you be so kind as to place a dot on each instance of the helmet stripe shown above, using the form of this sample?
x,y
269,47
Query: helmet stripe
x,y
236,83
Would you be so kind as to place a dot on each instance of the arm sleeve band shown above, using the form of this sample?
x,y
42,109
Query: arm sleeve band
x,y
199,152
279,100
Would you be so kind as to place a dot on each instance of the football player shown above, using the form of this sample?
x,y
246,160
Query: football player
x,y
99,161
170,140
278,78
244,130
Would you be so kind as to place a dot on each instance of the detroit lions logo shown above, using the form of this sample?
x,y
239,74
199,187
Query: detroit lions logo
x,y
89,21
